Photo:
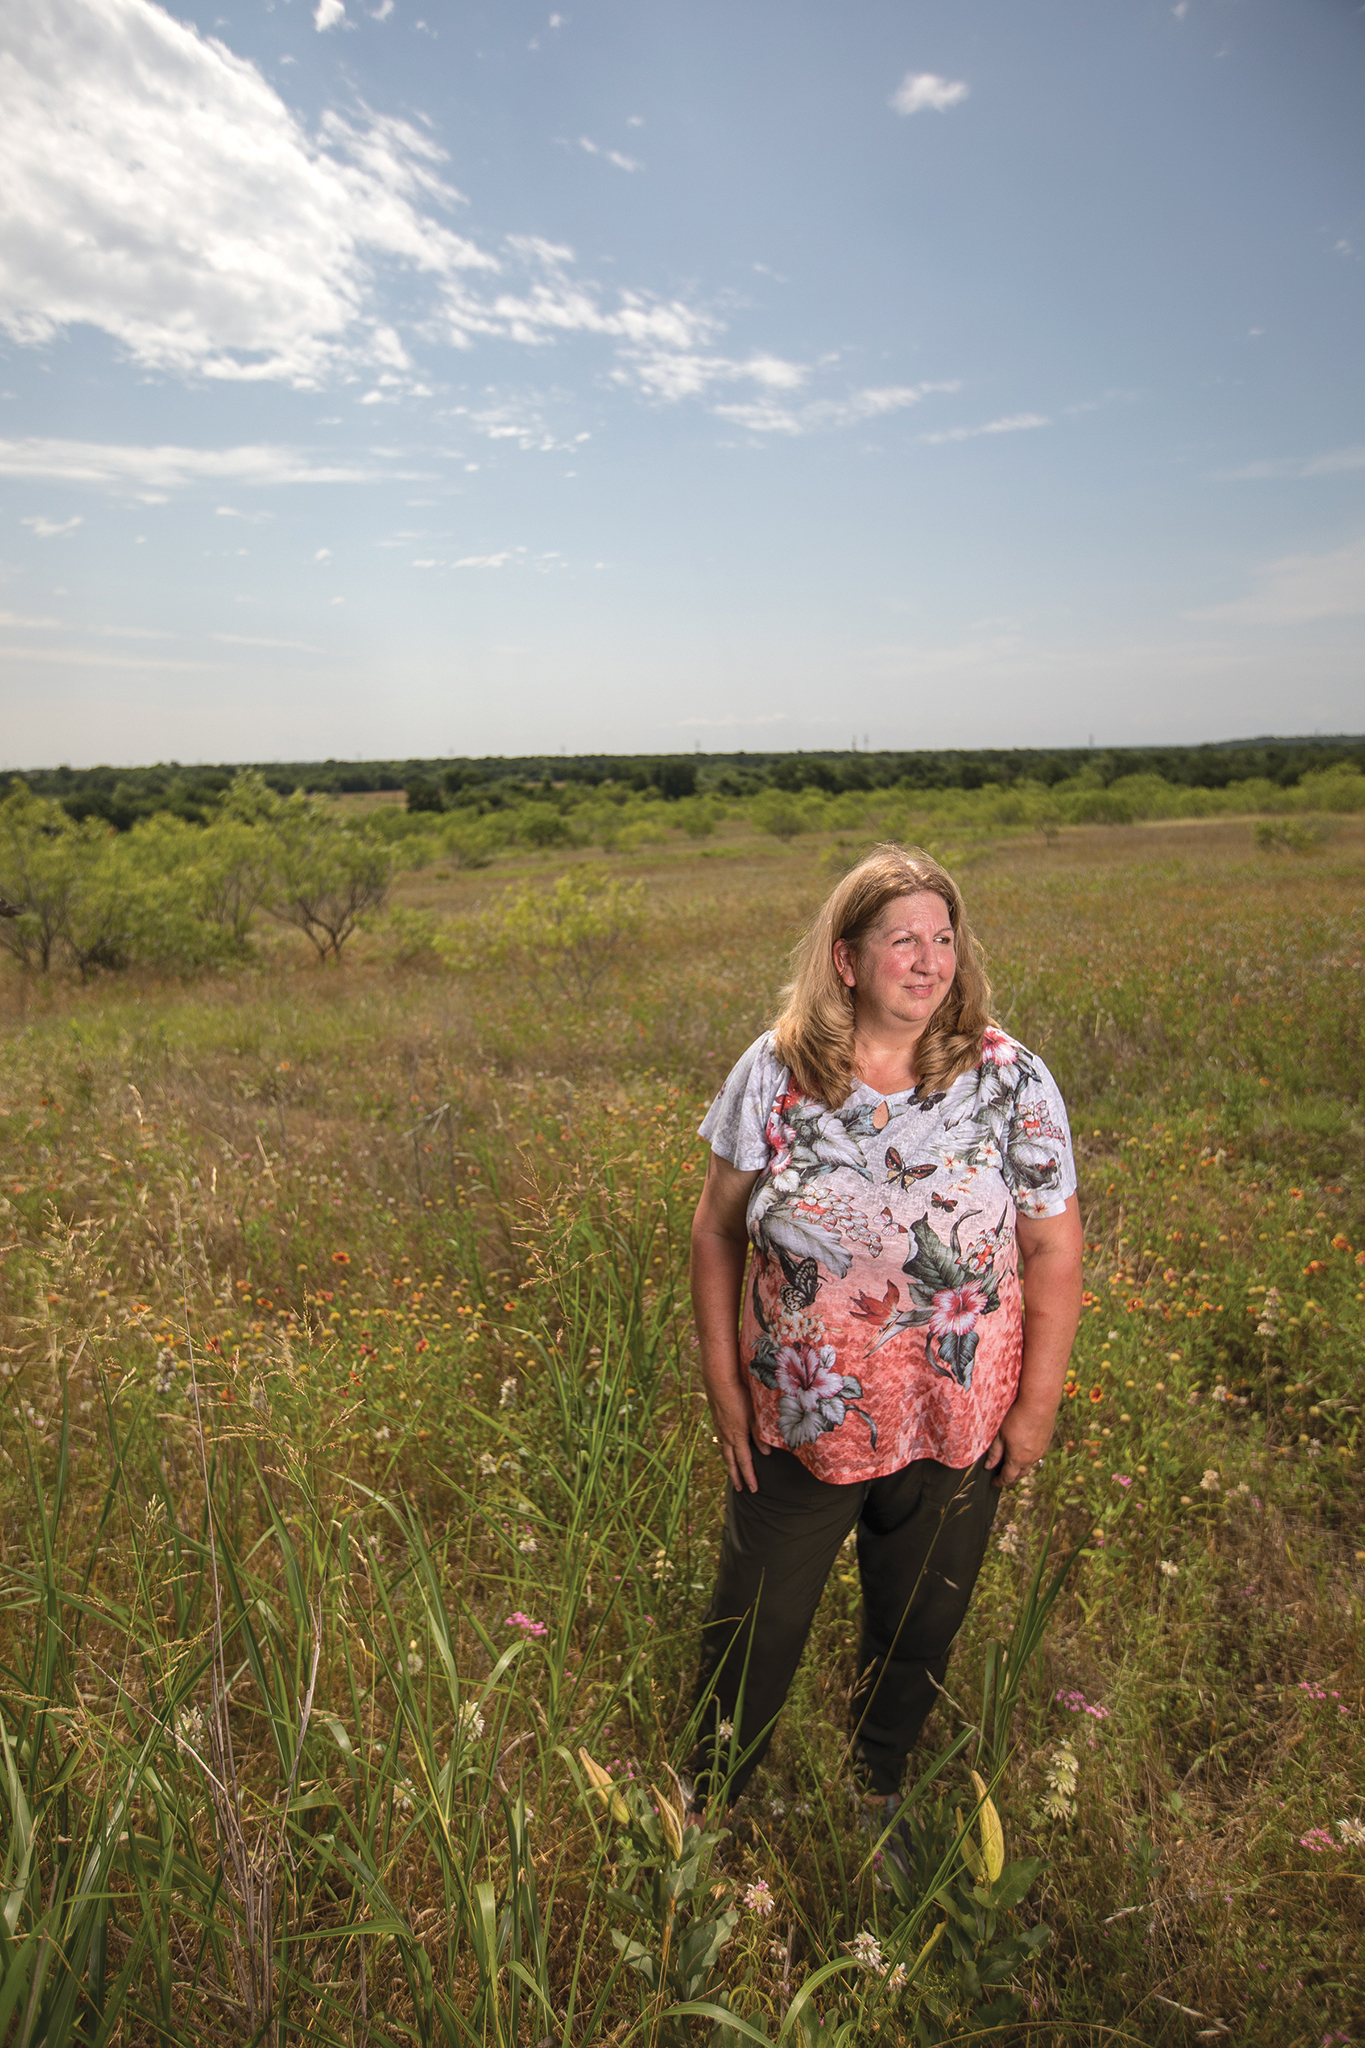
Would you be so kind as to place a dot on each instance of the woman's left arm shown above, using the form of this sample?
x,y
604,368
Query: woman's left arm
x,y
1050,1279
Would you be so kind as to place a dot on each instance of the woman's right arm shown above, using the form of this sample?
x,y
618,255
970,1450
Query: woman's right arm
x,y
720,1244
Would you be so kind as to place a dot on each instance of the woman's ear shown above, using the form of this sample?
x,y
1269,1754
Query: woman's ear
x,y
843,964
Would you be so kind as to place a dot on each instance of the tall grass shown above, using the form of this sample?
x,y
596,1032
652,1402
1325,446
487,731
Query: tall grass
x,y
355,1487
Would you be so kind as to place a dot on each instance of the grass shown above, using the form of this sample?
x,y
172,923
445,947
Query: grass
x,y
354,1479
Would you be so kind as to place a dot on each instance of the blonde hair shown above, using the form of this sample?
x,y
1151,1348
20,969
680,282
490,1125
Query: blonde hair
x,y
813,1035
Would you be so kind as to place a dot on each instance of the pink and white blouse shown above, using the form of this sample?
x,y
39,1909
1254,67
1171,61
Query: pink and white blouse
x,y
882,1314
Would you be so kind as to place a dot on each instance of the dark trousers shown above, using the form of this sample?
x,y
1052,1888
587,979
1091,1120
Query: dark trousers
x,y
922,1534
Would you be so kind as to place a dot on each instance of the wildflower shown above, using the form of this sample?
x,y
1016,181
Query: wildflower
x,y
527,1545
526,1625
1062,1772
341,1258
866,1951
488,1466
189,1734
508,1392
1220,1393
1318,1840
726,1731
470,1723
416,1661
1097,1393
1210,1482
1270,1313
1076,1703
1007,1543
1168,1570
758,1899
1121,1478
381,1436
1352,1832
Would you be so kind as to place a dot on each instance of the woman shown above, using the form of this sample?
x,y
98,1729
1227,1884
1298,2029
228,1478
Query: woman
x,y
901,1170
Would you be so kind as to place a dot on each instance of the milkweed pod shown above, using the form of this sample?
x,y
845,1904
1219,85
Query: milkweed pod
x,y
992,1834
603,1786
930,1945
671,1825
971,1855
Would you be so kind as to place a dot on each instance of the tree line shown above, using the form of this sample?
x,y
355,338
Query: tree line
x,y
122,796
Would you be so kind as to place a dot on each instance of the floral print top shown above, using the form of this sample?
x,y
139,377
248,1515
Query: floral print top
x,y
882,1314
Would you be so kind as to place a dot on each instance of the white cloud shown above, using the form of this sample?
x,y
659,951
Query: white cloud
x,y
613,156
765,416
921,89
159,189
1336,462
49,529
17,619
166,468
252,640
382,11
1013,423
328,13
1299,589
134,633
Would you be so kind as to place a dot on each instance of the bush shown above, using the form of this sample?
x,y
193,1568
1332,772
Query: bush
x,y
325,875
574,929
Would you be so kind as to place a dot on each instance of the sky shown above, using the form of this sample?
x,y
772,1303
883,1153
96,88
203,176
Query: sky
x,y
387,378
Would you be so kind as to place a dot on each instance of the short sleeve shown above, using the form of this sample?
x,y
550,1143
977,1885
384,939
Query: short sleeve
x,y
736,1124
1040,1164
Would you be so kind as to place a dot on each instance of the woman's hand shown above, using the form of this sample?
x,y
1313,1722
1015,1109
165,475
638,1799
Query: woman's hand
x,y
733,1414
1050,1280
720,1245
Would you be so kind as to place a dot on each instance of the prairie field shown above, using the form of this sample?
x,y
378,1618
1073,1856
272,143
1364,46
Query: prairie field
x,y
358,1503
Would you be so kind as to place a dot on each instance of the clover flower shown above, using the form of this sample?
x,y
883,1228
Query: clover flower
x,y
526,1625
1168,1570
1210,1482
757,1898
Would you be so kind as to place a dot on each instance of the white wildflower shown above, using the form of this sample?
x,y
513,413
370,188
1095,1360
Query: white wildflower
x,y
726,1731
1062,1772
757,1898
1220,1393
381,1436
1352,1832
470,1723
1168,1570
508,1392
1007,1543
416,1661
488,1465
527,1545
866,1952
1210,1482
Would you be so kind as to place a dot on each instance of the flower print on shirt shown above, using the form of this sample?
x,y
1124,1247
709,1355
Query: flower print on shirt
x,y
950,1291
788,1219
814,1397
990,1123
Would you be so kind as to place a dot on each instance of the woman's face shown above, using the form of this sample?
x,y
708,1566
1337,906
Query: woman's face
x,y
904,967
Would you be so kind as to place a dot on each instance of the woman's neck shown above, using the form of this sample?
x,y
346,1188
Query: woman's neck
x,y
886,1062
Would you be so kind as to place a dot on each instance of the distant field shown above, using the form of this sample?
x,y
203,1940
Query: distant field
x,y
353,1476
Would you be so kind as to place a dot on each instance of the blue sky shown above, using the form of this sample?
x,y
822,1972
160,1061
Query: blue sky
x,y
415,378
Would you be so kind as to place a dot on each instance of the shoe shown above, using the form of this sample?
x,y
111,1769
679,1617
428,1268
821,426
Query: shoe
x,y
878,1809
